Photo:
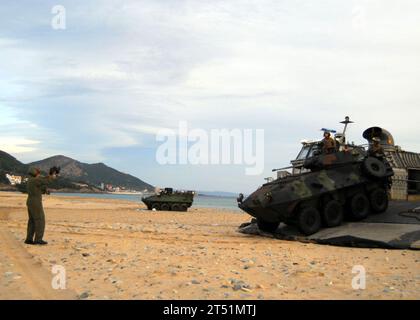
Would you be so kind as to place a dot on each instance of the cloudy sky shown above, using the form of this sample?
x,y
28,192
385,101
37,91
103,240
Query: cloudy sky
x,y
100,89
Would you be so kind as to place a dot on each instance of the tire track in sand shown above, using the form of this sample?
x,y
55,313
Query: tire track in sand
x,y
34,281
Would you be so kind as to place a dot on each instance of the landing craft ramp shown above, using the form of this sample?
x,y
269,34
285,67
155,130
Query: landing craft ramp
x,y
397,228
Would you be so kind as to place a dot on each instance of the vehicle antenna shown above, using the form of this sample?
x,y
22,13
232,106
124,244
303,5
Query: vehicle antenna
x,y
346,122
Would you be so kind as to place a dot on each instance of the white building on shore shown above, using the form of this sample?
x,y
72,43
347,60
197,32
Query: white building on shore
x,y
14,180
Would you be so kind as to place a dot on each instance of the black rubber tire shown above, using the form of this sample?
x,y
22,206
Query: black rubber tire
x,y
165,207
155,206
175,207
266,226
183,207
309,220
374,167
359,207
332,214
378,200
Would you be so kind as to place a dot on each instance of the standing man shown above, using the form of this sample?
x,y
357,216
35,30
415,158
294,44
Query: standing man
x,y
36,186
328,143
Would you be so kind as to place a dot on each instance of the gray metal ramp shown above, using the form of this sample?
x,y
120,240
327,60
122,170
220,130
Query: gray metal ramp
x,y
398,228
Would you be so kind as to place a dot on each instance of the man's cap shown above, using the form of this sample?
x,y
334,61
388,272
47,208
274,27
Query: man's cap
x,y
33,171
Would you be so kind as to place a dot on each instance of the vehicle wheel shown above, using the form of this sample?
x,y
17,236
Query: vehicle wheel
x,y
309,220
333,214
374,167
164,207
156,206
267,226
175,207
378,199
183,207
359,206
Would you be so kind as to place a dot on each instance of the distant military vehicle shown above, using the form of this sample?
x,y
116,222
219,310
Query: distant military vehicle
x,y
323,188
169,200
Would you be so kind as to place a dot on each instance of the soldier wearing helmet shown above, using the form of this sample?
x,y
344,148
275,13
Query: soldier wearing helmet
x,y
328,143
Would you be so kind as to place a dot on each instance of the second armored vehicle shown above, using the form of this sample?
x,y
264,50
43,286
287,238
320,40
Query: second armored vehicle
x,y
324,188
169,200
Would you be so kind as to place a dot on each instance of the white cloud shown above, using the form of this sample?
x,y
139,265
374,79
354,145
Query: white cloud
x,y
124,69
17,145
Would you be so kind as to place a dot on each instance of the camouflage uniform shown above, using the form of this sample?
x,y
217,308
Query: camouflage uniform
x,y
36,186
328,145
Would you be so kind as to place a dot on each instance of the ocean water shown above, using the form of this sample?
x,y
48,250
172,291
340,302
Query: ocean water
x,y
199,200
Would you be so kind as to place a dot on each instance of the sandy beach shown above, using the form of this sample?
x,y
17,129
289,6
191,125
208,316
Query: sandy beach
x,y
115,249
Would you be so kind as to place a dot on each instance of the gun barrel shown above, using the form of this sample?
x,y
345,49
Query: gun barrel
x,y
284,168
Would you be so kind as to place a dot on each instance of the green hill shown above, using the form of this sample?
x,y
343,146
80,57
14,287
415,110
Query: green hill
x,y
73,173
9,164
93,174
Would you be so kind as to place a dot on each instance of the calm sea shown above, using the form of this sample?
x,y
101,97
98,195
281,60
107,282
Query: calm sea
x,y
199,200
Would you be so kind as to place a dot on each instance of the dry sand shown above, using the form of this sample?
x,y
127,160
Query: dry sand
x,y
114,249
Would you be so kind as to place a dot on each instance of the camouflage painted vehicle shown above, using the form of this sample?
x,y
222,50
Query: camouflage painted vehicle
x,y
323,189
169,200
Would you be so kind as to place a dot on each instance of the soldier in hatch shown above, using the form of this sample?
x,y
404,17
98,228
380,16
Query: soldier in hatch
x,y
328,143
36,186
375,149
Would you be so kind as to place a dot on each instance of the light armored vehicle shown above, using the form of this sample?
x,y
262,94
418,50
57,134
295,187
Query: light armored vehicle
x,y
323,188
169,200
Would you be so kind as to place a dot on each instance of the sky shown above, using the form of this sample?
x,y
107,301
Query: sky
x,y
102,88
